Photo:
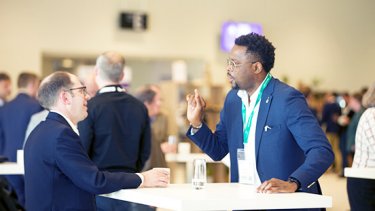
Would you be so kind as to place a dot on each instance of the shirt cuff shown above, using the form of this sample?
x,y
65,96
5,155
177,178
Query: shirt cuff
x,y
142,179
195,129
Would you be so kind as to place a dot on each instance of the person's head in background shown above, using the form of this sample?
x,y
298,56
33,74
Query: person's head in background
x,y
368,99
86,75
28,83
355,102
109,69
150,95
63,92
5,86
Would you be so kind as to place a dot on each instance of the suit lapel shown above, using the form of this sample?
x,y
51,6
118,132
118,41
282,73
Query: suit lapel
x,y
264,107
237,120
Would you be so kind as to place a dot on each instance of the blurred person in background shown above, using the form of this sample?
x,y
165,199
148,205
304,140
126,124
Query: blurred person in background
x,y
361,192
344,120
309,95
116,132
58,173
5,87
86,75
330,115
267,120
14,117
150,95
356,105
5,91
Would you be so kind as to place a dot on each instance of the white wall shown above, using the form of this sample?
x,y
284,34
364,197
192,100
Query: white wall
x,y
332,41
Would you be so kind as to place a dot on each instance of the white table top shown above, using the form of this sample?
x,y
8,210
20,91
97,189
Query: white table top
x,y
219,196
187,157
11,168
364,173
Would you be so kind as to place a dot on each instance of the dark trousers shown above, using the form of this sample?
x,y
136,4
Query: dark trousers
x,y
361,193
17,182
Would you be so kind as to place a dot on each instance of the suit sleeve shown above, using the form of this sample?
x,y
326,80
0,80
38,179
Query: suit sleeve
x,y
72,160
213,144
310,138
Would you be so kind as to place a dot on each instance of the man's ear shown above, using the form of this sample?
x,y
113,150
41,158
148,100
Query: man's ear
x,y
258,67
65,97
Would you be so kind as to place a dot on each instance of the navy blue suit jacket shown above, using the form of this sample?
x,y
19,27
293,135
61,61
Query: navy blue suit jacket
x,y
14,118
116,133
58,173
294,146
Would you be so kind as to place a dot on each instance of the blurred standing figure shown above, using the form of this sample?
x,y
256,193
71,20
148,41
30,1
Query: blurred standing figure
x,y
5,88
344,120
361,192
58,173
14,117
356,105
5,91
330,115
265,121
150,95
116,132
86,75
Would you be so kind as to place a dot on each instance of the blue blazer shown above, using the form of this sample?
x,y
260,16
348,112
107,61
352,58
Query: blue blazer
x,y
58,173
294,146
14,118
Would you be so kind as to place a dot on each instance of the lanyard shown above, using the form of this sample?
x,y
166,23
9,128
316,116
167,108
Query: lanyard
x,y
246,130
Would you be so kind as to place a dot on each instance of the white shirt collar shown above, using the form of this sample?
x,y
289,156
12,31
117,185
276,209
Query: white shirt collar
x,y
111,89
73,126
244,95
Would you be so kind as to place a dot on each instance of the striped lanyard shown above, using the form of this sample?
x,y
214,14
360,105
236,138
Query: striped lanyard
x,y
246,130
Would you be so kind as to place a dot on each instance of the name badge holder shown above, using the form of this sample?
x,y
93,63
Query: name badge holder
x,y
245,168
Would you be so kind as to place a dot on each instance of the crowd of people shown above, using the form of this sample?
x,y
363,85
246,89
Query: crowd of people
x,y
84,135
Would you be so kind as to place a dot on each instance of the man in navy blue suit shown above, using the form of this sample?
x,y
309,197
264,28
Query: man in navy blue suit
x,y
14,117
59,175
116,133
273,139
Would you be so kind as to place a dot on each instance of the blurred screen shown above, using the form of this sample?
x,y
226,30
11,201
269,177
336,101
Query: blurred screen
x,y
231,30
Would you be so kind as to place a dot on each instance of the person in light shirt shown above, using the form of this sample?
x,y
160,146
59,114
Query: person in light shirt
x,y
270,122
361,192
59,174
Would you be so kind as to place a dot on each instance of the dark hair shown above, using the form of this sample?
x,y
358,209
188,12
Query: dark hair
x,y
51,86
25,79
4,77
258,46
146,95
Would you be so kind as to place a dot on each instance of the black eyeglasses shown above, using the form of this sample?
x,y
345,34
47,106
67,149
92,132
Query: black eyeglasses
x,y
82,89
231,64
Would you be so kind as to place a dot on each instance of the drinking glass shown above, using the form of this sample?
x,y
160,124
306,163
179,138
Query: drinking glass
x,y
199,179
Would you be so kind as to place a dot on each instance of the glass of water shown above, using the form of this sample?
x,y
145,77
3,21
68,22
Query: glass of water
x,y
199,179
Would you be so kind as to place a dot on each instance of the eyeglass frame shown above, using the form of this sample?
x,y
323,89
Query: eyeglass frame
x,y
83,89
232,65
